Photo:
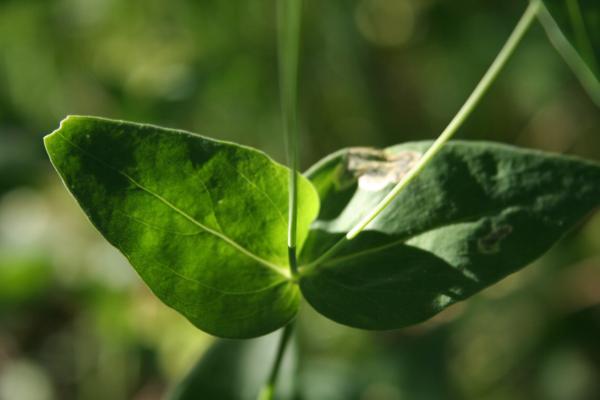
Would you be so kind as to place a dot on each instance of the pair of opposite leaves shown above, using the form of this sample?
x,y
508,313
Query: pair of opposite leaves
x,y
204,222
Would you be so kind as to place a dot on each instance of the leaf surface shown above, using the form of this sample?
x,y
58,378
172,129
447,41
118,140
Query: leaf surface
x,y
477,213
202,221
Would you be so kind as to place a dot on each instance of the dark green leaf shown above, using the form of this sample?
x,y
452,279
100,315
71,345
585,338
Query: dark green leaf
x,y
236,370
477,213
579,20
202,221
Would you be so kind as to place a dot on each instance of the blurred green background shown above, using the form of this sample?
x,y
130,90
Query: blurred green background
x,y
77,323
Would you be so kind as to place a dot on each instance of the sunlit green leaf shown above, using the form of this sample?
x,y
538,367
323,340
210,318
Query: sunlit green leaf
x,y
477,213
236,370
202,221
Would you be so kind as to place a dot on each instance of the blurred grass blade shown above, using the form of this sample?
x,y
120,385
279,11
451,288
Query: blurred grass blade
x,y
573,27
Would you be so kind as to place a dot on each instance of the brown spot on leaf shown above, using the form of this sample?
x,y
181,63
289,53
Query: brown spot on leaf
x,y
490,243
376,169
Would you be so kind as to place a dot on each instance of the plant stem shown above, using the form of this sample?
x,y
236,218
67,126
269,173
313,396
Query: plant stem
x,y
289,17
268,390
570,55
466,110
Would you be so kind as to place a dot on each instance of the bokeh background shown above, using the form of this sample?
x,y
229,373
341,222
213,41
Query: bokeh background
x,y
77,323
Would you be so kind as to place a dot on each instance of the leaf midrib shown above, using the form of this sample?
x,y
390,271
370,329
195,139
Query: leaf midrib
x,y
274,267
402,240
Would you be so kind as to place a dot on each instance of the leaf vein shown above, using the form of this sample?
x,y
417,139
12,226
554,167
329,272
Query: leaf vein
x,y
226,239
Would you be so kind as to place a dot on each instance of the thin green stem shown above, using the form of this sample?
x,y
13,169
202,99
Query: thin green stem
x,y
581,70
289,17
466,110
289,21
268,390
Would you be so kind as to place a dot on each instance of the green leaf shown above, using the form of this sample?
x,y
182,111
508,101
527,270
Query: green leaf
x,y
202,221
477,213
579,22
236,370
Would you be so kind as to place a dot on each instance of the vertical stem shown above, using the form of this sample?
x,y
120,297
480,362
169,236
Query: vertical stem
x,y
466,110
289,17
268,390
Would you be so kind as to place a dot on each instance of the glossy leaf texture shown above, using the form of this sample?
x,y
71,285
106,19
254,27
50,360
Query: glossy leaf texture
x,y
579,20
236,370
202,221
477,213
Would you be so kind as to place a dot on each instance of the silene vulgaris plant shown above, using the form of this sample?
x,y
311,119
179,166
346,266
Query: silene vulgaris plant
x,y
373,239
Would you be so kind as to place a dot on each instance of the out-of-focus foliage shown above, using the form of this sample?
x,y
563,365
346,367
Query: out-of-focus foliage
x,y
238,369
77,323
